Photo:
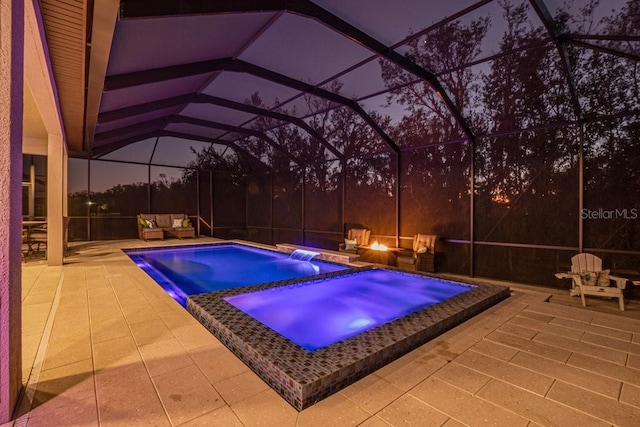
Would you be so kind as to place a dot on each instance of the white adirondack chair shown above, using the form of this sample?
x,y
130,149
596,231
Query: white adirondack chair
x,y
583,264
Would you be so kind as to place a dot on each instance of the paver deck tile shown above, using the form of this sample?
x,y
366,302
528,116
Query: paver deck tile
x,y
609,410
541,349
536,408
602,367
545,327
594,329
469,409
597,351
507,372
570,374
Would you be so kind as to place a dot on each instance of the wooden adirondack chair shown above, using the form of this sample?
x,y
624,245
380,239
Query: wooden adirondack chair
x,y
589,279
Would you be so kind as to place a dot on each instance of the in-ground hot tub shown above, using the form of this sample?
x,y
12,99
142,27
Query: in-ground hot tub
x,y
308,338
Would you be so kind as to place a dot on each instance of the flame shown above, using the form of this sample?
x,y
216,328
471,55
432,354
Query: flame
x,y
378,247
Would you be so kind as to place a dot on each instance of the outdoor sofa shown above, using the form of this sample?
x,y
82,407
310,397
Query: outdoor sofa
x,y
159,226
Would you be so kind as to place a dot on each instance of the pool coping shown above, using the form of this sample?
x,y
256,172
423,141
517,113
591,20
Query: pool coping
x,y
303,378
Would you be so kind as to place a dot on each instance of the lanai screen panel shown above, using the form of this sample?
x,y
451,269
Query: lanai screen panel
x,y
414,115
435,191
78,186
501,96
612,185
306,104
323,196
173,190
348,132
400,20
371,193
261,150
229,205
292,37
607,84
249,89
171,151
135,119
137,152
259,199
116,198
523,265
488,30
205,203
527,188
596,18
363,81
196,130
78,198
216,113
287,204
144,92
140,44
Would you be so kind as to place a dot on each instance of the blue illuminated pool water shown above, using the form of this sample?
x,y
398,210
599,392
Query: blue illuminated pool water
x,y
318,313
190,270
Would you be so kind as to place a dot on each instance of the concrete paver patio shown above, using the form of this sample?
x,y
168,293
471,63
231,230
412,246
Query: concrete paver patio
x,y
104,345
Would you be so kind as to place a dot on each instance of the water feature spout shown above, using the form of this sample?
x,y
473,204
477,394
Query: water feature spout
x,y
303,255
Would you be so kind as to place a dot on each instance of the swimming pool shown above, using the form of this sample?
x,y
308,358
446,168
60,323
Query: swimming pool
x,y
194,269
303,377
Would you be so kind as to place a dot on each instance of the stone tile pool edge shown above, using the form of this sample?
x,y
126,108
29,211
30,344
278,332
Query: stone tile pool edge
x,y
303,378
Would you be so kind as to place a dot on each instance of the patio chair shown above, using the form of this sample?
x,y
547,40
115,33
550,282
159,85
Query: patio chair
x,y
25,243
588,278
355,237
65,231
37,239
423,255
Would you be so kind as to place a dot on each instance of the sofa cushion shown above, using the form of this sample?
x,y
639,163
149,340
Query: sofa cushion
x,y
175,217
589,278
604,278
164,220
148,217
350,244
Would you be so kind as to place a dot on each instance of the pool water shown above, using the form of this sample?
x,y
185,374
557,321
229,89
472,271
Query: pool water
x,y
319,313
191,270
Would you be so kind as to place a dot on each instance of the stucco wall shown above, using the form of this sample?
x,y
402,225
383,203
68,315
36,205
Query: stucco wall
x,y
11,106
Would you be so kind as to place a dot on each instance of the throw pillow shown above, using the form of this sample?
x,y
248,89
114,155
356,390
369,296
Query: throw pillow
x,y
603,278
151,223
589,278
177,223
423,250
186,222
143,223
350,243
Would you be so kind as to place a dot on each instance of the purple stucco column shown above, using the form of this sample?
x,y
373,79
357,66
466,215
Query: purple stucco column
x,y
11,86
